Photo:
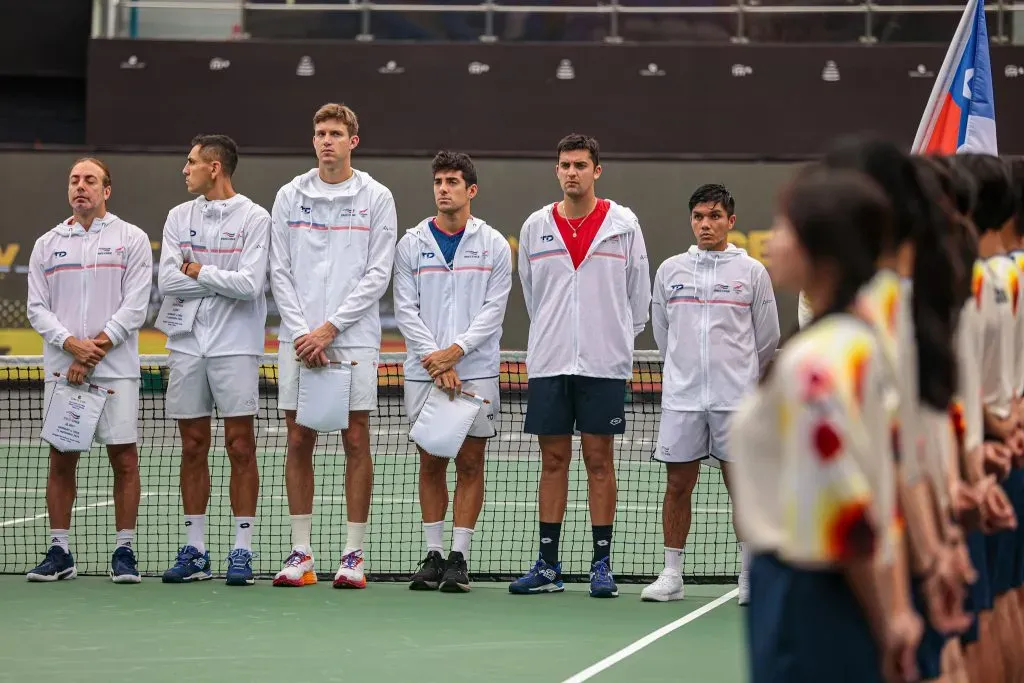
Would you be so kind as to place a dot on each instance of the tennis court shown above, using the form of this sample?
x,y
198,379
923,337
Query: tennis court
x,y
107,629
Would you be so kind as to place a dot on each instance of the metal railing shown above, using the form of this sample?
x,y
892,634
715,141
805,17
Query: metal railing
x,y
112,13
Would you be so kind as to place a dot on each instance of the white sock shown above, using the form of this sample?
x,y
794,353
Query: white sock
x,y
354,539
125,538
460,541
302,526
433,531
674,559
61,537
744,558
243,532
195,527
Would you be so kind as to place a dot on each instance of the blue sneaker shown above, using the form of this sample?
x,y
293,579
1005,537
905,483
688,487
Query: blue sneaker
x,y
602,585
59,565
543,578
123,568
191,565
240,568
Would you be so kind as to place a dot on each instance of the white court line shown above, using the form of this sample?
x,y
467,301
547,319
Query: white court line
x,y
633,648
80,508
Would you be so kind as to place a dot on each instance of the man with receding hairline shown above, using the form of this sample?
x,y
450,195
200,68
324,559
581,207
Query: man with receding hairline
x,y
215,249
335,230
89,282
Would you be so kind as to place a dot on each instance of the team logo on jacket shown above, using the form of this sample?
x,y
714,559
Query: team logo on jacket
x,y
469,253
105,251
547,238
228,235
737,286
721,288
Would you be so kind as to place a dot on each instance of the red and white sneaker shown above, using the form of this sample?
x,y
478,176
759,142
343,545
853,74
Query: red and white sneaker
x,y
350,573
298,570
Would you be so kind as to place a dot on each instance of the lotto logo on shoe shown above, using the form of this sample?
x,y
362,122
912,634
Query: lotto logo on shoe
x,y
188,523
245,525
615,421
602,543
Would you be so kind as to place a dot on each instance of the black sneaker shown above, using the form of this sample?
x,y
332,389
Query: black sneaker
x,y
431,571
456,575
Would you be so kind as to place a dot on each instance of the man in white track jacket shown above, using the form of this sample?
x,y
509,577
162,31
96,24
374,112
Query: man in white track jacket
x,y
453,274
89,283
587,285
215,250
335,230
716,326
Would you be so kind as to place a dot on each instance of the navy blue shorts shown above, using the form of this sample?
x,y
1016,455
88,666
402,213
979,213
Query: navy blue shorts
x,y
929,652
979,594
806,627
557,406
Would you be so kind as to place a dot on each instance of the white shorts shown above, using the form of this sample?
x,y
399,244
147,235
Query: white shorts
x,y
362,395
483,427
197,384
686,436
119,421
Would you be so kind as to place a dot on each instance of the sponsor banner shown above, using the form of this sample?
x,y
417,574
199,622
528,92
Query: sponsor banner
x,y
706,101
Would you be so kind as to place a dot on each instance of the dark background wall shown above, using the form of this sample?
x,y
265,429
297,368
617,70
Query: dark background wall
x,y
146,186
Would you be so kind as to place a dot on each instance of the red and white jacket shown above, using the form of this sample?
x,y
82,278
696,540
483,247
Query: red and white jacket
x,y
584,321
437,306
83,282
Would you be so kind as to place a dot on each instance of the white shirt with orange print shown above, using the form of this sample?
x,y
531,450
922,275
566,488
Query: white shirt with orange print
x,y
996,288
813,478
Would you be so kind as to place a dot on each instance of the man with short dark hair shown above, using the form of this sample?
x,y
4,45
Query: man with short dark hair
x,y
215,249
717,326
453,274
587,286
89,282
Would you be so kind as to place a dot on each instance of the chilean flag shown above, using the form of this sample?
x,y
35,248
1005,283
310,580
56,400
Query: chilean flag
x,y
961,115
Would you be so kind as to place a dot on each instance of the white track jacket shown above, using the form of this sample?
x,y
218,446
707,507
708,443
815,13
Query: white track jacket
x,y
716,326
584,321
331,258
83,282
437,306
230,239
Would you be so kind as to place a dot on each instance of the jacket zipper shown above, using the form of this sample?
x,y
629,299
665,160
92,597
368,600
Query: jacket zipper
x,y
576,291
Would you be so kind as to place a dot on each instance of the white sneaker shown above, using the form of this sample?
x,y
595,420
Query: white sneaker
x,y
669,586
744,585
298,570
350,573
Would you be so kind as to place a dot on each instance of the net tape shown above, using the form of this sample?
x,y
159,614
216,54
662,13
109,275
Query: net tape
x,y
504,544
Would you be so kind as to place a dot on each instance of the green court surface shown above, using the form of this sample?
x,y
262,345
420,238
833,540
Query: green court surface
x,y
92,630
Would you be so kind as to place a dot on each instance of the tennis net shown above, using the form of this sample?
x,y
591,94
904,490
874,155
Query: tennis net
x,y
505,541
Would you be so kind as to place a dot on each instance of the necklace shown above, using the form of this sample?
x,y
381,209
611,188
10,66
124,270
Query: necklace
x,y
583,220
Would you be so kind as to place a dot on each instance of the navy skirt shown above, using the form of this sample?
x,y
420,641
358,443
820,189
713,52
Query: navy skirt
x,y
929,652
806,627
979,594
1001,547
1015,489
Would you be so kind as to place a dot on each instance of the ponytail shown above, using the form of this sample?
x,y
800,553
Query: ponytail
x,y
937,294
